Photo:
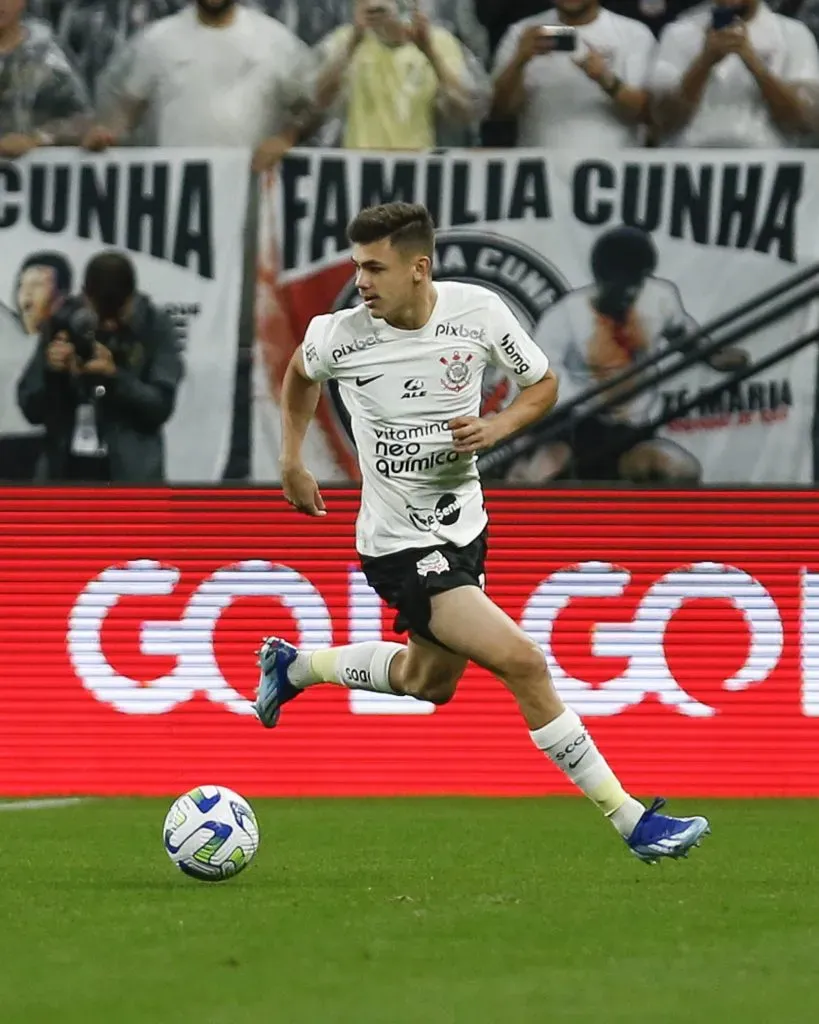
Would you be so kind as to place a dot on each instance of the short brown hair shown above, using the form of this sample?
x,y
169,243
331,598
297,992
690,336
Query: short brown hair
x,y
406,225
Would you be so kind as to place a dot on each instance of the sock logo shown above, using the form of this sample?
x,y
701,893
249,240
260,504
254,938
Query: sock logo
x,y
571,748
356,675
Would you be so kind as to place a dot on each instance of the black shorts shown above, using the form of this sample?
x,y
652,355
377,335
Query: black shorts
x,y
408,579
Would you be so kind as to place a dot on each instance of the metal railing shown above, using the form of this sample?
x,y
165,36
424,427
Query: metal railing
x,y
795,292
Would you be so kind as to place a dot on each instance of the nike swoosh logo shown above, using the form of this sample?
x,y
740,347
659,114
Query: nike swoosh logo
x,y
574,764
362,381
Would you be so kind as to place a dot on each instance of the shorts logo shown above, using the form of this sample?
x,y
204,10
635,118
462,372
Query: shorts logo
x,y
447,512
433,562
461,331
458,372
414,388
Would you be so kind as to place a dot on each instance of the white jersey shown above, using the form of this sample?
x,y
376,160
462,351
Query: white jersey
x,y
402,388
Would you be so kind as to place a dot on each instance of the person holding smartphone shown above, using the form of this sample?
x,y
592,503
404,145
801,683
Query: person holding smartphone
x,y
735,75
574,77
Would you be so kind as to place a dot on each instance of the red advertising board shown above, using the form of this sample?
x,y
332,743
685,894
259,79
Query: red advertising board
x,y
683,626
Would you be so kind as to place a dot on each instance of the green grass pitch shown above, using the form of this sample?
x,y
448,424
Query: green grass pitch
x,y
446,911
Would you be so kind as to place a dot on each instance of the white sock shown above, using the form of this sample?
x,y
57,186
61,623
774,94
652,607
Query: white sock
x,y
567,744
363,666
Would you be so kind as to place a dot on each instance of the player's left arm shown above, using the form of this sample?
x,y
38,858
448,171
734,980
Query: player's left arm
x,y
511,349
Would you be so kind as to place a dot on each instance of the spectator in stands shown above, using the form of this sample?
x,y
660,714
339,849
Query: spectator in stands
x,y
735,75
312,20
42,100
593,96
103,380
388,77
215,74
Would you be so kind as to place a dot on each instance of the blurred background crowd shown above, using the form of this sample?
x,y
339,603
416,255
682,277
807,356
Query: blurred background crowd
x,y
401,74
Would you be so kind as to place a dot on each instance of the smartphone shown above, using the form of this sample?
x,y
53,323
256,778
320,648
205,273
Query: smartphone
x,y
562,37
722,17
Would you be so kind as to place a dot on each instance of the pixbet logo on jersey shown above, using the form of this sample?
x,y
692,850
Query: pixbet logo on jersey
x,y
460,331
356,346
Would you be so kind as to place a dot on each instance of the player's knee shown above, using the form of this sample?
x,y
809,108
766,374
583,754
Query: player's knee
x,y
525,662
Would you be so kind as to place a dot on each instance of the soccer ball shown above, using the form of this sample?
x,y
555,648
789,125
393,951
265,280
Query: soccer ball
x,y
211,833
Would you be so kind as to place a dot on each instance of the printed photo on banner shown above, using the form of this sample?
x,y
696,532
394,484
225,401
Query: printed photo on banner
x,y
609,264
179,216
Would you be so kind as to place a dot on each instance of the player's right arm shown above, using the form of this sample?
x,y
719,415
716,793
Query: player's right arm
x,y
299,401
311,364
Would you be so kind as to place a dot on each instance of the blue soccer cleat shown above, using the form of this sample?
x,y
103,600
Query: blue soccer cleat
x,y
274,689
658,835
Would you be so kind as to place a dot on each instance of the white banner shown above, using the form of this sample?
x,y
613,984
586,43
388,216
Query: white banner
x,y
719,228
180,216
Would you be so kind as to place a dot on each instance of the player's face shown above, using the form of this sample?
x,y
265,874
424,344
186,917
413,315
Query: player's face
x,y
387,278
35,297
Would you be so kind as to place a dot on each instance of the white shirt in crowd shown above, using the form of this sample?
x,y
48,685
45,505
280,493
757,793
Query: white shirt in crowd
x,y
732,113
401,389
228,86
564,108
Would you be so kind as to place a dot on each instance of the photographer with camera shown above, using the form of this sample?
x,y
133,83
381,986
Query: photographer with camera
x,y
103,380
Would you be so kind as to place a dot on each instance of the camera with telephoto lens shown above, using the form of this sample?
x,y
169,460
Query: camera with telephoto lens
x,y
81,326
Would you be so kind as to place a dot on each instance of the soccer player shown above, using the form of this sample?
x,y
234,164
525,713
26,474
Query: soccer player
x,y
409,363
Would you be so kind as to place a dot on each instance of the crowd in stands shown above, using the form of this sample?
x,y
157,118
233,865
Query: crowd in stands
x,y
407,74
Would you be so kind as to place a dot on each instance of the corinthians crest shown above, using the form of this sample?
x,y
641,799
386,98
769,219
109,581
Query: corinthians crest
x,y
458,372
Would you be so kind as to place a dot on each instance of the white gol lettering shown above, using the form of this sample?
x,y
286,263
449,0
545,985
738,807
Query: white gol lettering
x,y
190,638
641,640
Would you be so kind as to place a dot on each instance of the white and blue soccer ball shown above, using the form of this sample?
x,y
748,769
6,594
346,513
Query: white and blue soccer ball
x,y
211,833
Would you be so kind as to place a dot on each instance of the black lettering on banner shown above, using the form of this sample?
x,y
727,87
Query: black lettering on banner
x,y
49,190
147,202
10,183
461,214
756,399
648,217
494,189
375,189
530,191
588,175
433,189
332,213
98,203
194,222
692,202
738,204
787,393
779,225
293,170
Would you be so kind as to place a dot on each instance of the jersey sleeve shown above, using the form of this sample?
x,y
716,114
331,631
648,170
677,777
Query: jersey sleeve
x,y
315,348
511,348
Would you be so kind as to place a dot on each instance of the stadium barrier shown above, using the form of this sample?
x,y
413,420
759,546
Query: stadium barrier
x,y
683,625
